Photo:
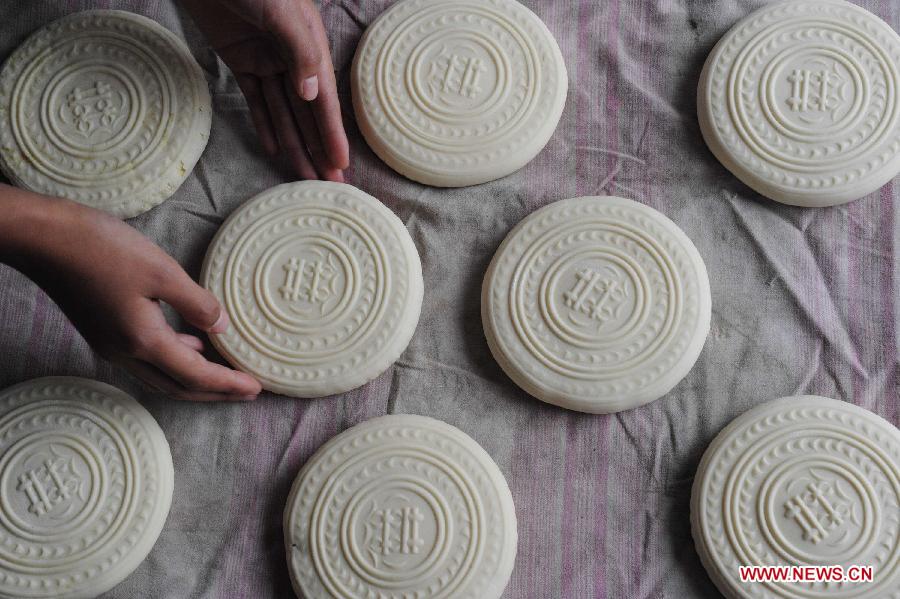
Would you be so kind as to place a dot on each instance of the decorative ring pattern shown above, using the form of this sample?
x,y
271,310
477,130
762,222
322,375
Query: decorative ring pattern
x,y
85,487
397,507
801,481
323,286
596,304
800,101
457,93
103,107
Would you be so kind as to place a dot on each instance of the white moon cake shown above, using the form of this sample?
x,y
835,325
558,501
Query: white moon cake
x,y
458,93
323,285
399,507
596,304
103,107
800,101
801,481
85,487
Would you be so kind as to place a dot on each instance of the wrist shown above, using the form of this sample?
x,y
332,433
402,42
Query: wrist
x,y
29,223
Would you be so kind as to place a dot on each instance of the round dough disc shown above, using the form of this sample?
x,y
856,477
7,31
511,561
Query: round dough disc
x,y
397,507
596,304
323,285
85,487
458,93
800,101
103,107
801,481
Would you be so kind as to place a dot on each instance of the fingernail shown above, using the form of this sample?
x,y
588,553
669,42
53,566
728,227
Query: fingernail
x,y
221,324
309,88
249,397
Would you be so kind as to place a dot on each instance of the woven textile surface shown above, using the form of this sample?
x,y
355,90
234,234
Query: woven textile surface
x,y
804,301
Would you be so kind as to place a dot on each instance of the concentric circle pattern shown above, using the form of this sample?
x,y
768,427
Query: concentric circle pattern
x,y
85,486
453,93
801,481
397,507
323,285
800,101
597,304
103,107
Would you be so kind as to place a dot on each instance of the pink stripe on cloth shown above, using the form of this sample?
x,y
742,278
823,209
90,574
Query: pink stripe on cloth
x,y
645,545
891,394
860,299
591,122
38,322
889,11
244,509
603,430
569,513
276,439
65,342
604,424
254,485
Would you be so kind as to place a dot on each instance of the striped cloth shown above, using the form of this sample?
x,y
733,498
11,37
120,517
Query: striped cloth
x,y
804,301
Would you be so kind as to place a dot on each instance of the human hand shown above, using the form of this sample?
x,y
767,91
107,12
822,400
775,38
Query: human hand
x,y
109,280
278,52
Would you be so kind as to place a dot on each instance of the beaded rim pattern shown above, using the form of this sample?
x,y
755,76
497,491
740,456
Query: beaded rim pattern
x,y
597,304
458,93
400,506
87,482
800,101
323,286
799,481
103,107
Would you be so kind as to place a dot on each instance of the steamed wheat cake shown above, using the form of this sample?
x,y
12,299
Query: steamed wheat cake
x,y
458,93
103,107
597,304
323,285
801,481
397,507
85,486
800,101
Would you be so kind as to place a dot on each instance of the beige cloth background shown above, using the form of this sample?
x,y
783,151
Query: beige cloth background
x,y
804,301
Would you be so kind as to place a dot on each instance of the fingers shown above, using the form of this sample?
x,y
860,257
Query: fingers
x,y
292,23
303,114
156,379
320,147
327,112
259,112
197,306
172,361
192,371
192,342
289,137
327,106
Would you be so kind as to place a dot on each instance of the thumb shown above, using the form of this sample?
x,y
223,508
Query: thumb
x,y
197,305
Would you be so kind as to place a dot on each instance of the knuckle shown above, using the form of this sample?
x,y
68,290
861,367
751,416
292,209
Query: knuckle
x,y
208,311
162,271
137,343
310,60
